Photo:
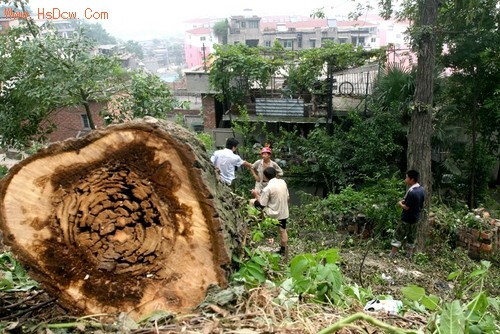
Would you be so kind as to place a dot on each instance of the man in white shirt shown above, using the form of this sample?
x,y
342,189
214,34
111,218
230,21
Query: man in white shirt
x,y
274,201
226,161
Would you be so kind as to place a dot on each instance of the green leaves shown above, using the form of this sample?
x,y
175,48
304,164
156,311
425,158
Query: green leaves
x,y
13,276
317,275
452,319
146,95
45,73
477,316
256,269
417,294
237,68
300,264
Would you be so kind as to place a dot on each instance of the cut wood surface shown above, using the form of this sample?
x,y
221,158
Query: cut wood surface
x,y
131,218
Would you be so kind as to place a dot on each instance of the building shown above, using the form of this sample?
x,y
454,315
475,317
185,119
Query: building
x,y
198,45
73,122
293,33
7,23
359,33
199,40
127,60
63,28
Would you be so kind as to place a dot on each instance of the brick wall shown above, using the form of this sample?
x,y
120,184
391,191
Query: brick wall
x,y
69,121
208,105
480,243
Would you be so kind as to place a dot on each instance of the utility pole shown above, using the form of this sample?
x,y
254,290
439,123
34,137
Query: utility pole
x,y
329,112
204,58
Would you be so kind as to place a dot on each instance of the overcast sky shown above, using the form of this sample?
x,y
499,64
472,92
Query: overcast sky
x,y
146,19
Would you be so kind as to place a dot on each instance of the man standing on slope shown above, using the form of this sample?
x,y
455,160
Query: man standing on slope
x,y
226,161
274,201
412,204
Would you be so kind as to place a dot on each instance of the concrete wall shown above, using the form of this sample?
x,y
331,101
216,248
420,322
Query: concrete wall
x,y
197,82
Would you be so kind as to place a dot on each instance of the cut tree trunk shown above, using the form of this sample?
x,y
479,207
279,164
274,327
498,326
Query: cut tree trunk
x,y
131,218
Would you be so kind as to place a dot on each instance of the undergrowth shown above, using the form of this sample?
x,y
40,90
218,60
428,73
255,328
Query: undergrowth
x,y
316,275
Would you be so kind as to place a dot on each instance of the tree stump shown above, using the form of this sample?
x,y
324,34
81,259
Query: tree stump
x,y
131,218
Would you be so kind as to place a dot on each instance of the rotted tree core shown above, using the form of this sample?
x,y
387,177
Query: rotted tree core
x,y
128,219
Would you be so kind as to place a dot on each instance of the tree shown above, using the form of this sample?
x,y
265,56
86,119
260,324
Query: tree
x,y
427,15
95,32
307,66
147,95
424,14
473,56
221,30
132,218
176,52
134,48
235,69
420,131
45,72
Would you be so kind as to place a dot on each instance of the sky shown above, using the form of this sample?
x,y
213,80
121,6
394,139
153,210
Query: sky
x,y
147,19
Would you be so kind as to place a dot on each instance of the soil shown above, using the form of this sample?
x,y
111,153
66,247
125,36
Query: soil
x,y
386,275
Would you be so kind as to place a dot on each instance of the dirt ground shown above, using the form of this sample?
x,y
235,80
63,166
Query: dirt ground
x,y
256,312
386,276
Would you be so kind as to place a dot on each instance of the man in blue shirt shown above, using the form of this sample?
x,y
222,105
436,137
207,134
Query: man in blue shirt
x,y
412,204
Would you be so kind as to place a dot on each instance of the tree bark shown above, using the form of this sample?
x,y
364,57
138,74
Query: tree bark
x,y
420,132
131,218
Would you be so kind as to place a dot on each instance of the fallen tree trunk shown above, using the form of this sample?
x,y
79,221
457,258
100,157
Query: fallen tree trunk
x,y
131,218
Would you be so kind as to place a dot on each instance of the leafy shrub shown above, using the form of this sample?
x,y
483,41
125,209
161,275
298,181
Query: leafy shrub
x,y
207,140
479,315
317,275
257,267
376,202
13,276
3,171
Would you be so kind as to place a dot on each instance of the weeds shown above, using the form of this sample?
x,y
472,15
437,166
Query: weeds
x,y
14,276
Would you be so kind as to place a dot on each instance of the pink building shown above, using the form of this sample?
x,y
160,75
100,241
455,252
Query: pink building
x,y
199,40
198,44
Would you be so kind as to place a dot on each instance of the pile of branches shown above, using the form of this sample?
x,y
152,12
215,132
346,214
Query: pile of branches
x,y
233,310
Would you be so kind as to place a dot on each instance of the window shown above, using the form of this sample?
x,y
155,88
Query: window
x,y
85,121
312,43
243,24
357,41
287,43
267,44
252,43
203,38
373,40
253,24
